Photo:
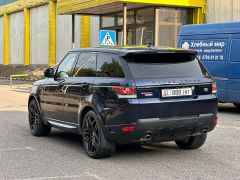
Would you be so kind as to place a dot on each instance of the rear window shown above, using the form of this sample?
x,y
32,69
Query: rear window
x,y
165,65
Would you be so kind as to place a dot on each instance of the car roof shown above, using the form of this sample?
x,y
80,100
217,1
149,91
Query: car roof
x,y
124,51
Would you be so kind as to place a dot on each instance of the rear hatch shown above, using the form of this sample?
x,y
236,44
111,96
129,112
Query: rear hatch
x,y
171,84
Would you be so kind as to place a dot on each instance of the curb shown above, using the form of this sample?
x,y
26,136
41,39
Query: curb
x,y
20,79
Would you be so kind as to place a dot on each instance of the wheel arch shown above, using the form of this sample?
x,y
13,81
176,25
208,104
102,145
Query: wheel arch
x,y
84,111
32,97
37,98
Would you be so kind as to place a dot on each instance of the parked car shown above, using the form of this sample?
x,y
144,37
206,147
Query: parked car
x,y
218,46
125,95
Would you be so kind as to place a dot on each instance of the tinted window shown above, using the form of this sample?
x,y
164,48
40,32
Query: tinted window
x,y
165,65
65,68
86,65
109,65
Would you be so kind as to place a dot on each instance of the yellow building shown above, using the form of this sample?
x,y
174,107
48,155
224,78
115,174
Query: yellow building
x,y
42,31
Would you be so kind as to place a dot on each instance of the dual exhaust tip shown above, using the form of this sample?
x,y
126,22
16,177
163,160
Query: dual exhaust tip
x,y
148,136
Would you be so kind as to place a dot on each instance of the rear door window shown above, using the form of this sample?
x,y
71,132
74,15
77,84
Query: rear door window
x,y
109,65
165,65
86,65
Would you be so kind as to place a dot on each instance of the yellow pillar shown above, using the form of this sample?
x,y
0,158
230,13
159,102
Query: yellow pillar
x,y
6,40
198,16
52,33
26,36
85,32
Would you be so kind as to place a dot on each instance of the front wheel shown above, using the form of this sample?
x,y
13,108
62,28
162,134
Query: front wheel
x,y
192,142
36,124
94,140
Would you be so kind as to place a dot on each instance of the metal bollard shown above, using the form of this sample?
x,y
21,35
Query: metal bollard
x,y
10,82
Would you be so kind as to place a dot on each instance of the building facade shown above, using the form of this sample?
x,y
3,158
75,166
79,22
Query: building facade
x,y
32,32
42,31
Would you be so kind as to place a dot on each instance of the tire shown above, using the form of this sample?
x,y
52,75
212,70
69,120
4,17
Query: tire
x,y
37,127
94,141
237,105
192,142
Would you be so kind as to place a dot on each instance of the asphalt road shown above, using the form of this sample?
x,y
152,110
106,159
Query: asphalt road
x,y
61,155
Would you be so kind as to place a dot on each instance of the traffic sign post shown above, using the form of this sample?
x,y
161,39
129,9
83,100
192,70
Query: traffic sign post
x,y
108,38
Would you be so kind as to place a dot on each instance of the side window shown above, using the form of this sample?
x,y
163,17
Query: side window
x,y
109,65
65,68
86,65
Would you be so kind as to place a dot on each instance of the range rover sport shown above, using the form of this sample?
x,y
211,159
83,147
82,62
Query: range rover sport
x,y
123,95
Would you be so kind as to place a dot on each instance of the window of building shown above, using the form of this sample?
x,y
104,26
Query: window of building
x,y
65,68
170,22
145,16
86,65
108,21
144,35
141,25
109,65
130,18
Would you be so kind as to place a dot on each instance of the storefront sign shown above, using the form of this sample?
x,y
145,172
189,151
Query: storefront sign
x,y
209,50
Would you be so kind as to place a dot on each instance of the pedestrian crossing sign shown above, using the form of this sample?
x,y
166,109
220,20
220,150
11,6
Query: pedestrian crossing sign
x,y
107,38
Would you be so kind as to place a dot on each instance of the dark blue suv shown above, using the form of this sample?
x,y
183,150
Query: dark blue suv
x,y
123,95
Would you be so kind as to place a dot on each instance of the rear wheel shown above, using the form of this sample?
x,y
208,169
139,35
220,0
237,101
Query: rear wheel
x,y
94,140
37,127
192,142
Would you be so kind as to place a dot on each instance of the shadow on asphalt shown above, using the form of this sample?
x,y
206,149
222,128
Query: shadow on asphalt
x,y
74,141
228,108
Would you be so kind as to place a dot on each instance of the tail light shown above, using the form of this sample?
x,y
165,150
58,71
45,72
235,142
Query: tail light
x,y
214,88
128,128
125,92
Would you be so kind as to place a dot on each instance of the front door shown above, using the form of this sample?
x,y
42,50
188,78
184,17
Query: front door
x,y
52,96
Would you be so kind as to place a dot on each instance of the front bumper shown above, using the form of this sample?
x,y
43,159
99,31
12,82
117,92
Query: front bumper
x,y
163,129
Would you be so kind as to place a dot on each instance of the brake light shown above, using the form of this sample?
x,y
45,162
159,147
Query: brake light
x,y
128,129
214,88
125,92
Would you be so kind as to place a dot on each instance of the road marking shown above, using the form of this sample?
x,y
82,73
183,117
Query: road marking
x,y
87,174
17,149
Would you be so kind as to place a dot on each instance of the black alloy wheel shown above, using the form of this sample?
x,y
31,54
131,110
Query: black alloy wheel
x,y
193,142
94,140
91,134
37,127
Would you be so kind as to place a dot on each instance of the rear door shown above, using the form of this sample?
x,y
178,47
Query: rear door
x,y
233,90
77,89
169,84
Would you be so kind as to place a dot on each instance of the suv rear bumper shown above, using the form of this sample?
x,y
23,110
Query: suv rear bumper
x,y
163,129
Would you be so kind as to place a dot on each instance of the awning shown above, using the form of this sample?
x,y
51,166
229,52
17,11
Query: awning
x,y
99,7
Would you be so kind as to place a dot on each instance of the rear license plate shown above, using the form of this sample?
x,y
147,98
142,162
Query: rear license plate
x,y
176,92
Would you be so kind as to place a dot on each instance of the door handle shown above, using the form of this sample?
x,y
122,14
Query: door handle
x,y
85,85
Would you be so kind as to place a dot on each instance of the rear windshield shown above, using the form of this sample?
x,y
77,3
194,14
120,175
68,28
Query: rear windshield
x,y
165,65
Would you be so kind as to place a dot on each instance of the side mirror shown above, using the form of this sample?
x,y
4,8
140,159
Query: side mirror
x,y
49,73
